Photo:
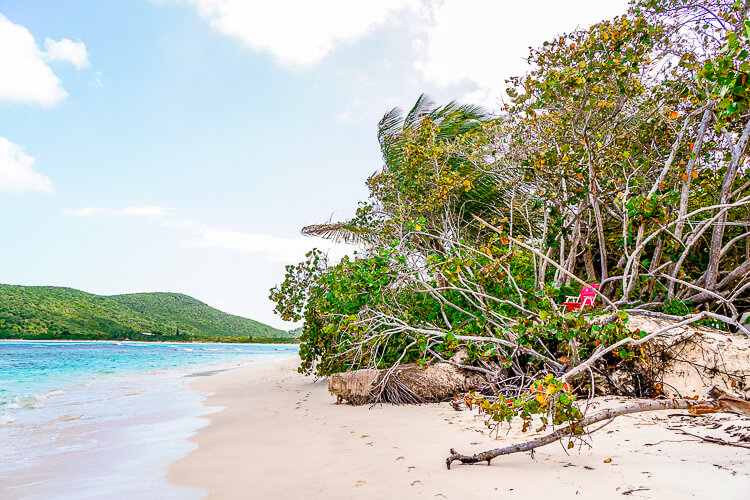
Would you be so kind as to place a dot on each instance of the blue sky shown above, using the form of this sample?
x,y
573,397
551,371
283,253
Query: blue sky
x,y
168,145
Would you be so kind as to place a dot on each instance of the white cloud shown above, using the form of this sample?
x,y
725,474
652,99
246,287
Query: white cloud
x,y
66,50
16,172
480,43
143,211
275,248
345,117
471,46
298,33
139,211
24,74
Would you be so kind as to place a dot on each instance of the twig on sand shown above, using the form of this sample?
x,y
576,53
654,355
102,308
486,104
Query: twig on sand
x,y
709,438
574,429
722,401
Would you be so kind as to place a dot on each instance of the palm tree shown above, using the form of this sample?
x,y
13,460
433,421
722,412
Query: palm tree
x,y
394,132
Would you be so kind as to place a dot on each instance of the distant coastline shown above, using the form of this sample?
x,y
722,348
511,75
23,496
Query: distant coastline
x,y
58,313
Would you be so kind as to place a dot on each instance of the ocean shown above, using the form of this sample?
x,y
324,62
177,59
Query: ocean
x,y
104,419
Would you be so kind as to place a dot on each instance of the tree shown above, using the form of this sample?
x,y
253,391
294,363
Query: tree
x,y
621,158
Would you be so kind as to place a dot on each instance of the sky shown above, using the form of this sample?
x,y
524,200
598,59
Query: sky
x,y
181,145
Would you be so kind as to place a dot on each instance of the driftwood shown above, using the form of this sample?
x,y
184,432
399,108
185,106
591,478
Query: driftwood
x,y
723,402
405,384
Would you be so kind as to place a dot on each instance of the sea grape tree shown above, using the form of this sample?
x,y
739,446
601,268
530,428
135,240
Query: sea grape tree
x,y
620,158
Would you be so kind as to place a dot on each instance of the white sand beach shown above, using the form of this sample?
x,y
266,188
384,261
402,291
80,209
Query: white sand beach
x,y
281,435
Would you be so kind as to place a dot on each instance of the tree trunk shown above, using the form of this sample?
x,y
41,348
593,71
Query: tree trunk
x,y
406,384
738,151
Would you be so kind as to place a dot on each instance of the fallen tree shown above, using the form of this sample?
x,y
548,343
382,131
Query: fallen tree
x,y
617,172
721,401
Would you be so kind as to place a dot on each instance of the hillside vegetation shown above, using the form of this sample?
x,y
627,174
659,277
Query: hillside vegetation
x,y
42,312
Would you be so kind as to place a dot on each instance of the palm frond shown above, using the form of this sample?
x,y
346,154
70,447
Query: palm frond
x,y
456,119
453,119
389,130
340,232
391,124
423,107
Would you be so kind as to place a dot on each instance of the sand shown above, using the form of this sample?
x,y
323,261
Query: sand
x,y
281,435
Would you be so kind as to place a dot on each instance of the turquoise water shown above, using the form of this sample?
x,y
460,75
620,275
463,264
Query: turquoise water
x,y
104,420
32,371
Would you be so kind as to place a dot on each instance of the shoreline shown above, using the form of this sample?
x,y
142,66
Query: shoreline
x,y
90,436
86,440
280,434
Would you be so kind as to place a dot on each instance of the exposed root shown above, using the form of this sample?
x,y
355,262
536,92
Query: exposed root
x,y
404,384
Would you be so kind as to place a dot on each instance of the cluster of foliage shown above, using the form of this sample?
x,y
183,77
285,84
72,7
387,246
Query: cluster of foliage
x,y
63,313
550,398
620,159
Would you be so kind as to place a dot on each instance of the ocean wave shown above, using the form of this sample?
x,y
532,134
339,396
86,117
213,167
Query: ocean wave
x,y
6,419
31,401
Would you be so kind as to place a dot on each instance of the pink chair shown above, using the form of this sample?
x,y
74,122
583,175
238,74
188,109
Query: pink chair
x,y
586,298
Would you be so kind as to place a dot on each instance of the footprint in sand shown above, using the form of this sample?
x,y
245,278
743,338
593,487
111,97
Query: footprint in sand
x,y
413,483
409,469
360,483
400,458
369,444
364,436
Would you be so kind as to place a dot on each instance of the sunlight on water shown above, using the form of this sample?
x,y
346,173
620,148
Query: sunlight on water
x,y
87,417
30,372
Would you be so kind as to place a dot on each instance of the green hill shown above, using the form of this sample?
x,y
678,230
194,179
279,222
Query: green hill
x,y
46,312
